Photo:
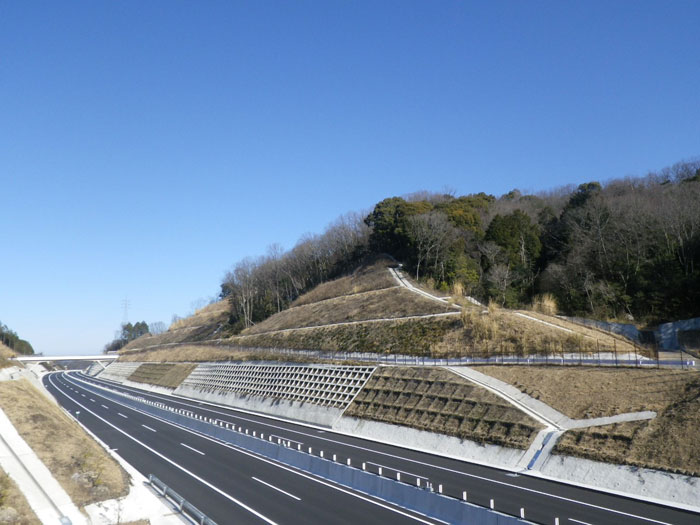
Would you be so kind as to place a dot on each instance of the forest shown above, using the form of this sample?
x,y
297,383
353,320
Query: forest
x,y
10,339
626,249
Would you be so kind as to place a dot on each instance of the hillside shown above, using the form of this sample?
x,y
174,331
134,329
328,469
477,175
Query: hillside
x,y
371,311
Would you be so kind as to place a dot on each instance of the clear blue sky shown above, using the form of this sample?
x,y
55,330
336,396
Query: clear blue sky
x,y
147,146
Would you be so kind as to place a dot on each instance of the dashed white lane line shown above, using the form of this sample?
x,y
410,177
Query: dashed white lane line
x,y
149,428
91,399
125,417
277,489
193,449
578,521
105,406
180,467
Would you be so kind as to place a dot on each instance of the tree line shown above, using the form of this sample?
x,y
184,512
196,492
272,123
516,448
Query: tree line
x,y
628,248
10,339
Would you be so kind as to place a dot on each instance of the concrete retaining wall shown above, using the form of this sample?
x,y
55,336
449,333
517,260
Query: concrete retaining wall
x,y
650,484
441,444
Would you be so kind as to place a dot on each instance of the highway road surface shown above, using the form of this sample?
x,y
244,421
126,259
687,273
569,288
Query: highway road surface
x,y
222,480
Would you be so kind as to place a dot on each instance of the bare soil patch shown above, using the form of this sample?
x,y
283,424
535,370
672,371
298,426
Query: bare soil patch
x,y
440,401
83,468
13,505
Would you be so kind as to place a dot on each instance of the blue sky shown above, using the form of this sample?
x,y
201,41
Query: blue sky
x,y
145,147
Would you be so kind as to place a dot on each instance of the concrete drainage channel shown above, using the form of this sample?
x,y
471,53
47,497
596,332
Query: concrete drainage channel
x,y
400,488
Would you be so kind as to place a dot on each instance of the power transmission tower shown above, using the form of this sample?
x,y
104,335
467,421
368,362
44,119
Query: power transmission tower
x,y
125,306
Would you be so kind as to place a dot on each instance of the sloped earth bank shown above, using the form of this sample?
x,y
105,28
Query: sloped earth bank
x,y
667,442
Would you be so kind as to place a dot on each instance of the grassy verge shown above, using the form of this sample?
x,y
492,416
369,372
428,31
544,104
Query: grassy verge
x,y
83,468
439,401
13,505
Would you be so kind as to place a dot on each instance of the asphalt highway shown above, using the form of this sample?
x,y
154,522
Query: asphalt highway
x,y
228,484
543,501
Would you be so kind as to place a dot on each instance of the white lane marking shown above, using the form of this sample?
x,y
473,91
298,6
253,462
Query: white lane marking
x,y
474,476
91,399
149,428
194,449
183,469
276,488
125,417
578,521
320,481
105,406
82,395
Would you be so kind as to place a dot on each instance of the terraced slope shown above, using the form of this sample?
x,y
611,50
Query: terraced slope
x,y
437,400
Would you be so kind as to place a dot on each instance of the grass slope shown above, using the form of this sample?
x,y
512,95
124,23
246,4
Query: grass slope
x,y
13,505
83,468
668,442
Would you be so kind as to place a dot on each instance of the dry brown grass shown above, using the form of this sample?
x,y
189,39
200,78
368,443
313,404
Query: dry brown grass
x,y
83,468
377,304
214,313
204,353
668,442
168,375
373,276
545,304
405,336
502,332
587,392
13,505
5,354
437,400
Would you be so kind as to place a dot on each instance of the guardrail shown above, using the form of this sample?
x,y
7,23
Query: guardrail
x,y
181,504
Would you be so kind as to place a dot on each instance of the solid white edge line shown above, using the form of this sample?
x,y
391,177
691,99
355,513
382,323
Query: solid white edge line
x,y
193,449
357,494
192,474
276,488
474,476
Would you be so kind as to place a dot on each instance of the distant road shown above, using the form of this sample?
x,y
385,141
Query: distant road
x,y
543,500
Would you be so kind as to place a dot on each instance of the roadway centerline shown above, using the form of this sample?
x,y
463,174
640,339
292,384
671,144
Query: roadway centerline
x,y
276,488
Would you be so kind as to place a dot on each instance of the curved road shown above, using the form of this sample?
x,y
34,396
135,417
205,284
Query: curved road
x,y
543,500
